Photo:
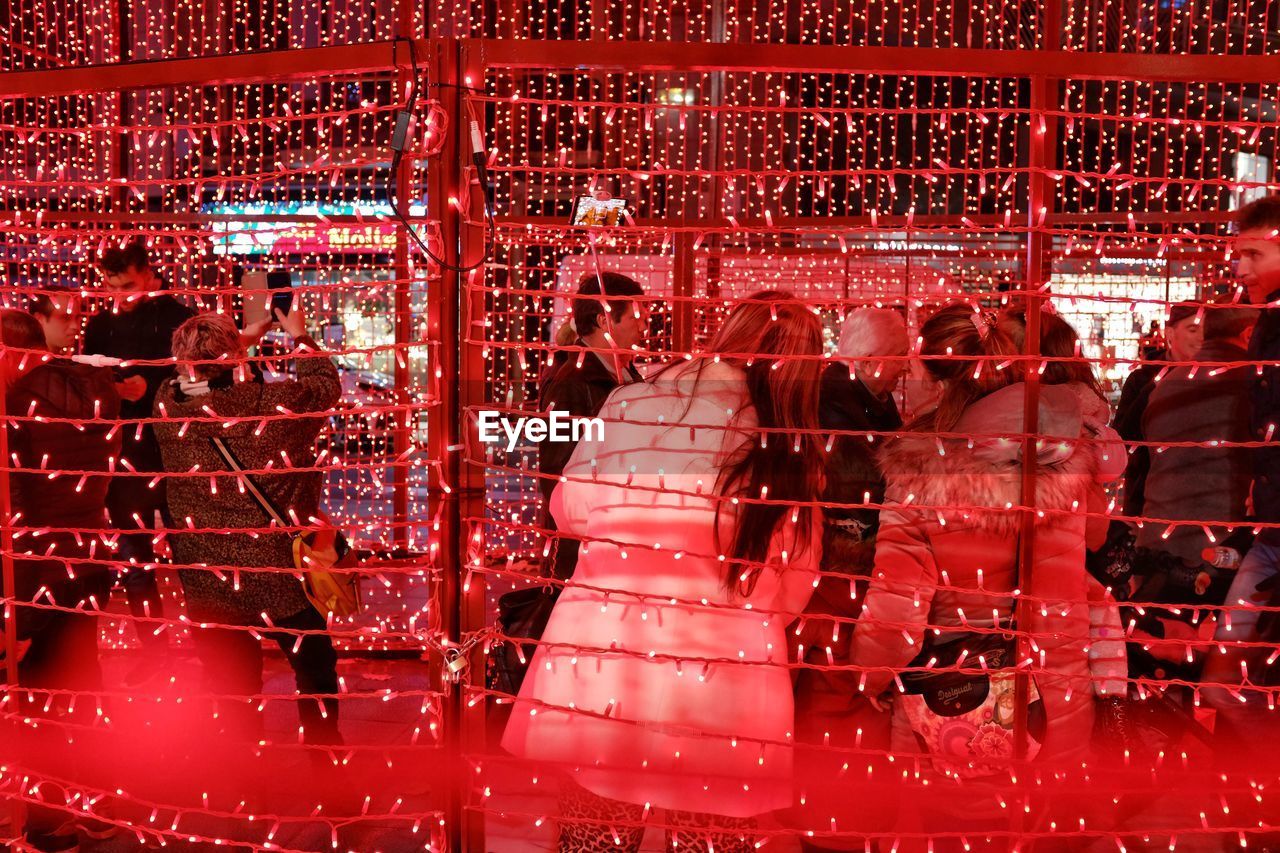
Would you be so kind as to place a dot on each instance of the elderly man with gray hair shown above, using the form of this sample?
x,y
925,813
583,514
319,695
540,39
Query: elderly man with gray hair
x,y
856,406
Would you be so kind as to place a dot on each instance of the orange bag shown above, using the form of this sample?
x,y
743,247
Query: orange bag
x,y
315,553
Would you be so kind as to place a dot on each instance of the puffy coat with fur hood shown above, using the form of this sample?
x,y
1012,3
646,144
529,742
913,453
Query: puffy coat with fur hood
x,y
947,553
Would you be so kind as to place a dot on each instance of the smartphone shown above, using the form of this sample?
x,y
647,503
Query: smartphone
x,y
280,283
589,210
256,297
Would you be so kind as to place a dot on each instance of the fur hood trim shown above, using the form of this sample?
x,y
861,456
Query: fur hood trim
x,y
979,492
975,491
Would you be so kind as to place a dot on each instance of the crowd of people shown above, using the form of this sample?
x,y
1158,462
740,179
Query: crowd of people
x,y
770,577
763,573
105,441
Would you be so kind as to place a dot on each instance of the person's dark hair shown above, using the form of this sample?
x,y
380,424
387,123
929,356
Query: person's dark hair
x,y
20,330
42,304
1227,322
587,307
116,260
768,336
1261,214
958,347
1180,311
1058,340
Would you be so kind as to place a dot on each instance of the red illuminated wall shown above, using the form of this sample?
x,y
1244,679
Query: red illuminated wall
x,y
1079,153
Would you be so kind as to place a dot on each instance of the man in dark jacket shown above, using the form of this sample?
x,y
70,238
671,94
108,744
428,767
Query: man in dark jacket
x,y
856,405
1185,333
67,508
583,373
58,531
138,326
1257,248
1199,483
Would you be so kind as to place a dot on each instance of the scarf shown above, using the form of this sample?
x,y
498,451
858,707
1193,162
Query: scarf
x,y
188,387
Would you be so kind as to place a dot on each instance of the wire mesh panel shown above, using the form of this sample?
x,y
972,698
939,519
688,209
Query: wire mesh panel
x,y
221,186
1107,201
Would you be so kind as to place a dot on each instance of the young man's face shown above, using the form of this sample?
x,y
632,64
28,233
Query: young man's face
x,y
62,326
1258,254
629,329
1184,338
129,280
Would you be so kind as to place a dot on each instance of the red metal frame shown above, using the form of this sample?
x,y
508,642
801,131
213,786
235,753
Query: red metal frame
x,y
457,366
646,56
204,71
403,310
835,59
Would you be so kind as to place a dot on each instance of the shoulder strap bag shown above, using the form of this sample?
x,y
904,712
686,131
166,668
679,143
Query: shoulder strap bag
x,y
315,553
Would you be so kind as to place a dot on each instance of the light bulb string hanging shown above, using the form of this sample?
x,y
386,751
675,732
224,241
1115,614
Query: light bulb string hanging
x,y
801,617
429,747
424,635
914,507
27,778
398,148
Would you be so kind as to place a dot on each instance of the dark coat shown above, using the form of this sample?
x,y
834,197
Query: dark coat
x,y
1265,421
826,701
1128,422
282,444
1210,483
72,501
577,382
846,406
144,332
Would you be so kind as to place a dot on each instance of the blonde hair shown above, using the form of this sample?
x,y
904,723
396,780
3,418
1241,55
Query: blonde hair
x,y
208,338
566,334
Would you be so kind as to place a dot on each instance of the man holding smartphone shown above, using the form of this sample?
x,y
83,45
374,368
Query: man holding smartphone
x,y
138,325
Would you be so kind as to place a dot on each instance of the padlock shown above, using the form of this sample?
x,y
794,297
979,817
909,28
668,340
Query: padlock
x,y
455,664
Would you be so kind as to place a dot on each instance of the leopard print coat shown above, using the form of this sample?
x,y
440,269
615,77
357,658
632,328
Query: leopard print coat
x,y
260,423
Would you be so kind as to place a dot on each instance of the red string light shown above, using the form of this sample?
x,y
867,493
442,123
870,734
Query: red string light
x,y
883,185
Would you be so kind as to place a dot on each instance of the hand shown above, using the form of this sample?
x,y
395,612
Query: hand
x,y
1178,639
132,389
293,323
252,333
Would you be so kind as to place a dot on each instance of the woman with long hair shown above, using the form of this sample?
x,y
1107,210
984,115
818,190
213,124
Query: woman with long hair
x,y
661,681
946,578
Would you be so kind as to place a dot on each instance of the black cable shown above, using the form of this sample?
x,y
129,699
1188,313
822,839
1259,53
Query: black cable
x,y
398,140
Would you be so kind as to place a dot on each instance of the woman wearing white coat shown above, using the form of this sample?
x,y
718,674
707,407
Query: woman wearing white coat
x,y
661,681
